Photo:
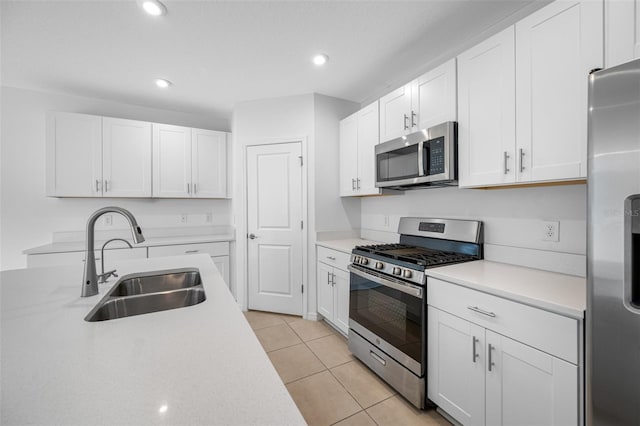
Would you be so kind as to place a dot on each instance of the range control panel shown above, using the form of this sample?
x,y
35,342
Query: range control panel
x,y
405,274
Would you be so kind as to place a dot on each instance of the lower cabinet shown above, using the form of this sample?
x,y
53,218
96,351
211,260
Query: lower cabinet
x,y
333,288
481,377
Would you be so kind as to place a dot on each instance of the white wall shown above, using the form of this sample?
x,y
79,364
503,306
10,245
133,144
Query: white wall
x,y
312,119
28,217
512,217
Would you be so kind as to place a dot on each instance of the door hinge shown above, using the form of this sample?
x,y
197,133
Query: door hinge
x,y
301,161
302,224
302,288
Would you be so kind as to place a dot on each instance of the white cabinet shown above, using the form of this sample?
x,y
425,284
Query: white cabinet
x,y
77,257
219,252
523,98
486,110
333,287
428,100
496,362
358,138
556,48
74,155
188,163
622,31
90,156
126,158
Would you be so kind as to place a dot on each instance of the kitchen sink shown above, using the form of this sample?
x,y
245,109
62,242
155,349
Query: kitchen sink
x,y
139,294
144,284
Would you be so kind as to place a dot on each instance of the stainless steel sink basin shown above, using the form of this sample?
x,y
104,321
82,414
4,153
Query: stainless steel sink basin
x,y
139,294
144,284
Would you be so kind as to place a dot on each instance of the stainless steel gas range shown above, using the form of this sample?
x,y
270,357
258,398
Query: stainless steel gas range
x,y
387,297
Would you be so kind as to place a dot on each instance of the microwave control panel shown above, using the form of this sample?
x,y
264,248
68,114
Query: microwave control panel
x,y
436,157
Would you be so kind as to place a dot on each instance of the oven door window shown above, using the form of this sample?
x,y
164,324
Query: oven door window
x,y
394,316
398,164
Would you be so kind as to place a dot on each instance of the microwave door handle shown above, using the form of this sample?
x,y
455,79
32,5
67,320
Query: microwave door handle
x,y
421,165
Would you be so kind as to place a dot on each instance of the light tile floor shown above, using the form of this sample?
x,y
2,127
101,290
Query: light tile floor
x,y
330,386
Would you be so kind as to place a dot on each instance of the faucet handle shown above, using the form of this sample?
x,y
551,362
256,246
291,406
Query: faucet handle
x,y
104,277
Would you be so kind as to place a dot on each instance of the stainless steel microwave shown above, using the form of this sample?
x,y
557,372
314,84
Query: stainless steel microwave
x,y
421,159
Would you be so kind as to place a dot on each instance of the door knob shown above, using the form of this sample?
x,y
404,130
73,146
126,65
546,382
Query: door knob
x,y
252,236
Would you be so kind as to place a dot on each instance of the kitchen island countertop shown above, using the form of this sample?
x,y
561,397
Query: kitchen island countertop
x,y
196,365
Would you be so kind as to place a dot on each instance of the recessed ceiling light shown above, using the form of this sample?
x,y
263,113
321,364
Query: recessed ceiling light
x,y
320,59
153,7
162,83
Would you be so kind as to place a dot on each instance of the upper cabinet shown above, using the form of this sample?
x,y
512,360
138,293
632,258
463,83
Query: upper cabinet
x,y
622,31
358,138
188,163
428,100
89,156
93,156
523,98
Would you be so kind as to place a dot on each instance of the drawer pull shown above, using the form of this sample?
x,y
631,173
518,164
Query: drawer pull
x,y
481,311
331,258
491,363
192,251
377,358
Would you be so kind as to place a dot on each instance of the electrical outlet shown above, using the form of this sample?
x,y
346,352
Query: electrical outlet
x,y
184,218
386,221
551,231
209,217
108,220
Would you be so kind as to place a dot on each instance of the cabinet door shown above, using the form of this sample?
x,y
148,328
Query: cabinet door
x,y
368,138
395,113
622,31
126,158
341,294
74,155
434,96
348,155
171,161
222,263
486,111
209,163
528,387
325,291
556,48
455,363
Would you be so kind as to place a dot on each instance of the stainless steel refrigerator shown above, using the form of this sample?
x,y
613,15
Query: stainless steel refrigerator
x,y
613,297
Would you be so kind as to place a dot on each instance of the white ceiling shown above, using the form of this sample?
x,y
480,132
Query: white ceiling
x,y
219,53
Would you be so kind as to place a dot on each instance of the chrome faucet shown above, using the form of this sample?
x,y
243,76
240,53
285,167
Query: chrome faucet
x,y
90,279
104,276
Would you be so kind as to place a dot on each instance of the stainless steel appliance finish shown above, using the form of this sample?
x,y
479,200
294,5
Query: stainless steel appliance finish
x,y
387,303
613,297
421,159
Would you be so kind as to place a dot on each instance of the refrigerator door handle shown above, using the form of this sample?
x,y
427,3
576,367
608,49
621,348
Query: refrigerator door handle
x,y
632,253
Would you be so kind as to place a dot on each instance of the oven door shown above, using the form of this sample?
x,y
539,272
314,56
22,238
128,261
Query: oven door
x,y
390,314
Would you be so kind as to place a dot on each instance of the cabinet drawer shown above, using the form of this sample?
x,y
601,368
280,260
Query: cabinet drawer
x,y
549,332
212,249
334,257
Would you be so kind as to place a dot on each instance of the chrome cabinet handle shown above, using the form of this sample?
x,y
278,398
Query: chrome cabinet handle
x,y
406,117
377,358
491,363
97,185
195,188
474,353
106,185
481,311
353,184
521,160
413,115
191,251
188,188
358,184
331,258
333,279
506,166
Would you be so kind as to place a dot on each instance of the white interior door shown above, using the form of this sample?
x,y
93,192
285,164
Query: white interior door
x,y
274,216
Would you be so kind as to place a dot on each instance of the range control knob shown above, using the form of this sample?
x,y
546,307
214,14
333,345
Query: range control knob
x,y
379,265
364,261
407,273
397,271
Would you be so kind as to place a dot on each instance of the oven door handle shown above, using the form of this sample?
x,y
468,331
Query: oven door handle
x,y
405,288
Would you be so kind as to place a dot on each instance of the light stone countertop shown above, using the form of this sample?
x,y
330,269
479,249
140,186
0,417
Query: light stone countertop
x,y
558,293
345,245
196,365
71,246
